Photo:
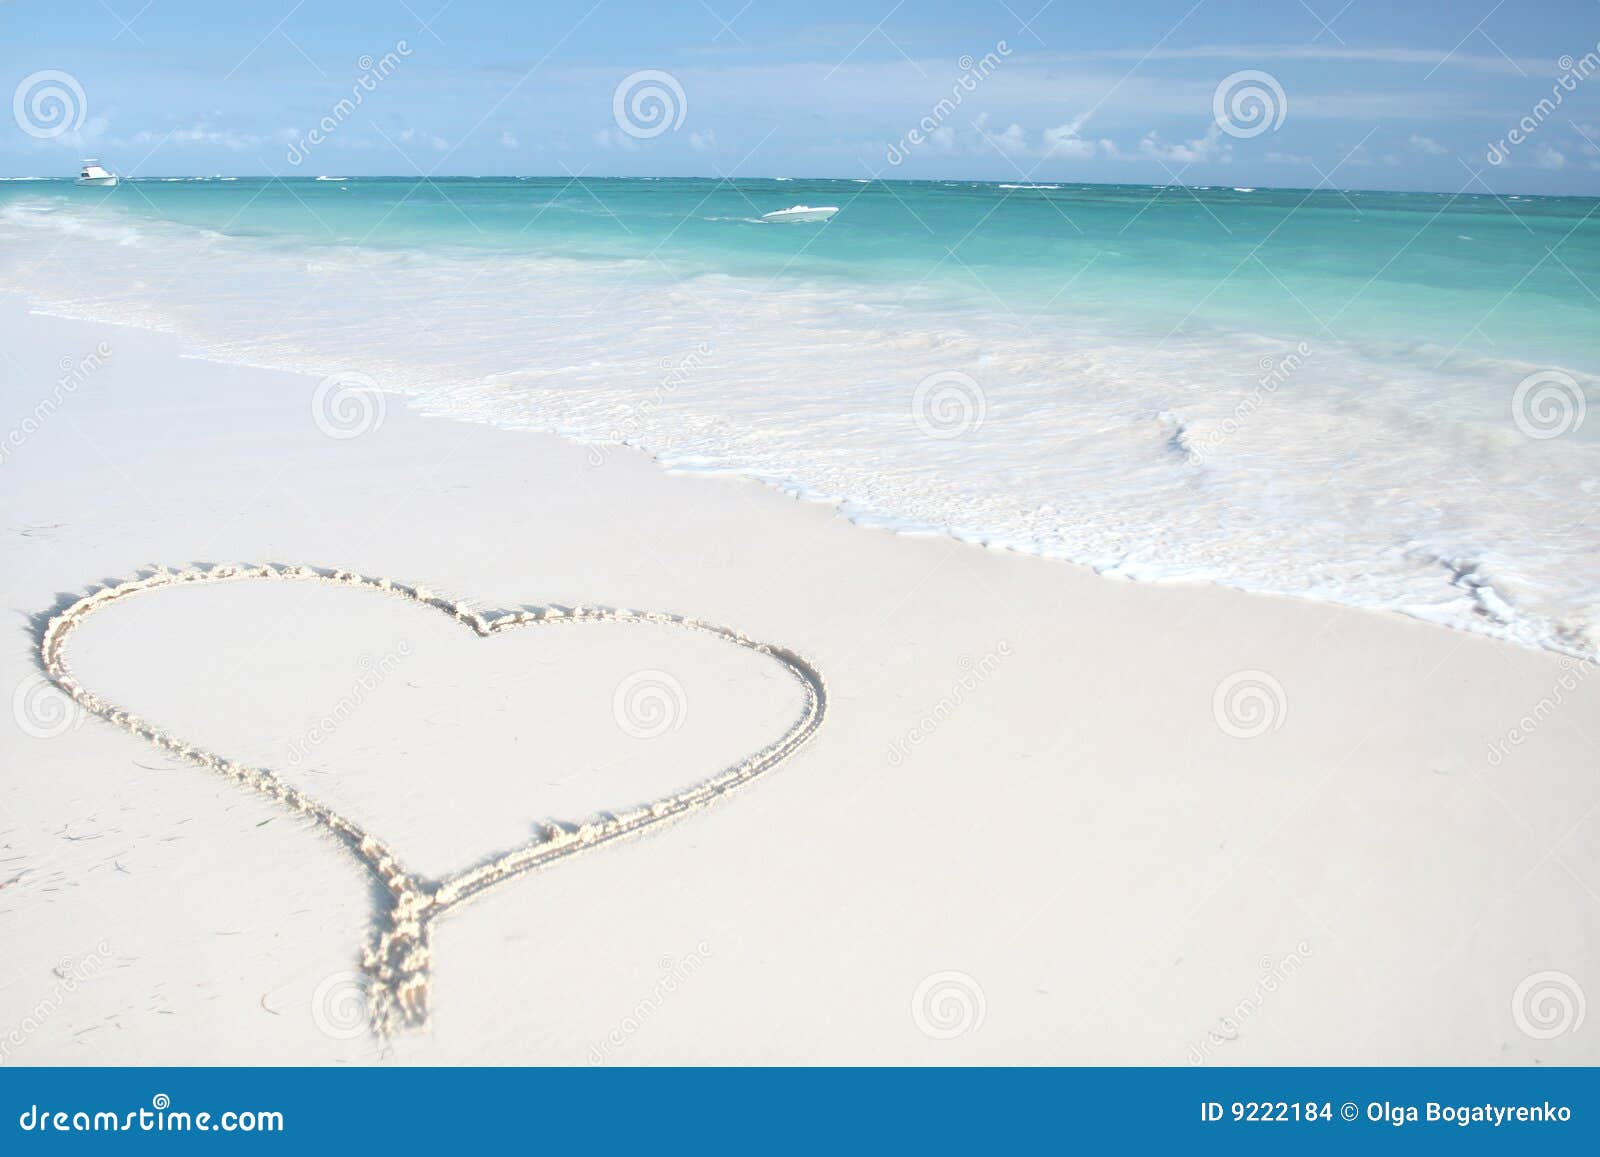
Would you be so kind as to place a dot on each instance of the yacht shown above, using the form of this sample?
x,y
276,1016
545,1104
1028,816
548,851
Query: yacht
x,y
94,173
802,213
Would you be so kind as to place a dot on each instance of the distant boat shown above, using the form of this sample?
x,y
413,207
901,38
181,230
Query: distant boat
x,y
94,173
802,213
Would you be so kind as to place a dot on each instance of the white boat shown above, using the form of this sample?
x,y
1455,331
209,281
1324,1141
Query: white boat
x,y
802,213
94,173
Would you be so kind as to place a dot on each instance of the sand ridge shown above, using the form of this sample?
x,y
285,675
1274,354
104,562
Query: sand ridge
x,y
397,958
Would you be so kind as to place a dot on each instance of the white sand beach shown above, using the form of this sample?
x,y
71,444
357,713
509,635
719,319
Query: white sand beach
x,y
1047,817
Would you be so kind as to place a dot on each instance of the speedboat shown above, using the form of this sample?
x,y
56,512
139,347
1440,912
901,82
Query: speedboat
x,y
802,213
94,173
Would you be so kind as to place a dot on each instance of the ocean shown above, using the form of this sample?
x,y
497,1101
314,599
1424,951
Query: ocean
x,y
1372,398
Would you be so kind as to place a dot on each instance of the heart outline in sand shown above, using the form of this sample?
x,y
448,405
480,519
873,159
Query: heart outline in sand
x,y
398,957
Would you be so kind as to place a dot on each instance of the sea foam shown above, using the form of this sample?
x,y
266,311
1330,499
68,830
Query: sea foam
x,y
1374,472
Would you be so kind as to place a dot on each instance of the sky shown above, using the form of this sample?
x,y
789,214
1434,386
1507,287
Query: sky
x,y
1442,95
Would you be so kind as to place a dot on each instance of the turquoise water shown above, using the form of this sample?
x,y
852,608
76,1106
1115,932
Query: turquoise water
x,y
1377,398
1296,259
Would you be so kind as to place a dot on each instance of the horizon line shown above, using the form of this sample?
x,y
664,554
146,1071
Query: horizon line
x,y
573,178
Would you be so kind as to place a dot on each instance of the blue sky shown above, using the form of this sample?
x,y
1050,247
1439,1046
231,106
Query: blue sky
x,y
1361,94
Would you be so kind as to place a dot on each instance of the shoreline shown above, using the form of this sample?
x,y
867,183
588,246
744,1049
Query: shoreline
x,y
1396,465
1089,812
851,510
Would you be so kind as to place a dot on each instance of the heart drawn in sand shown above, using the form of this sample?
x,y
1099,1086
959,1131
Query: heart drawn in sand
x,y
397,958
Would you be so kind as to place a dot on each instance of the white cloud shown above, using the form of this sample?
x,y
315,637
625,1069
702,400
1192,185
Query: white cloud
x,y
1210,147
612,139
508,139
703,142
1072,148
1422,144
1401,57
1013,142
80,139
408,136
1550,157
199,134
1287,159
1064,141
